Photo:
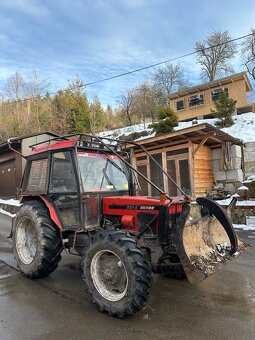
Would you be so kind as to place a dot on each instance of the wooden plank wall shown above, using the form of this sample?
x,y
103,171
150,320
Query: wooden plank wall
x,y
202,170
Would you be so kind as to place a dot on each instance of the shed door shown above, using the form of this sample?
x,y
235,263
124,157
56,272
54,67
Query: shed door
x,y
178,169
8,186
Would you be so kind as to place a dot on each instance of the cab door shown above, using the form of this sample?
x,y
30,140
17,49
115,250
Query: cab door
x,y
63,189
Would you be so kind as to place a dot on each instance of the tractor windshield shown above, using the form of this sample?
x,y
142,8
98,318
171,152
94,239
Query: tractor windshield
x,y
101,172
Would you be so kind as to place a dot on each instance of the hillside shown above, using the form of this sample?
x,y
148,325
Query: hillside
x,y
244,128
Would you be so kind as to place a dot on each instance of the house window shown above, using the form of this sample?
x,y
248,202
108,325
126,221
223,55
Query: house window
x,y
195,100
215,93
180,105
177,152
141,158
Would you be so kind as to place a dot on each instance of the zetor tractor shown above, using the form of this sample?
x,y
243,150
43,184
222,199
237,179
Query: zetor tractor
x,y
79,193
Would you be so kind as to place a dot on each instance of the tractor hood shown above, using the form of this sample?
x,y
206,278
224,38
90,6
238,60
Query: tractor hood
x,y
146,203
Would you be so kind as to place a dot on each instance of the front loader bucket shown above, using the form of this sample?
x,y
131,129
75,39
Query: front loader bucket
x,y
205,244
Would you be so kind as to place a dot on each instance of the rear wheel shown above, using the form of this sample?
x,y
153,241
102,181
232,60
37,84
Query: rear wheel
x,y
37,243
117,273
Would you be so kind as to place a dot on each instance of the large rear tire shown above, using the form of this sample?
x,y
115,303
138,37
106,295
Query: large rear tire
x,y
117,273
37,242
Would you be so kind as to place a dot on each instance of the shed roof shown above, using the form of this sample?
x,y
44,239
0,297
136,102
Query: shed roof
x,y
18,140
212,136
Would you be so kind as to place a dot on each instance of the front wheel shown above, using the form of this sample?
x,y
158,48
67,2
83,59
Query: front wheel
x,y
117,273
37,244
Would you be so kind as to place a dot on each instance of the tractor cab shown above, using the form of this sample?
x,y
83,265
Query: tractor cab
x,y
75,179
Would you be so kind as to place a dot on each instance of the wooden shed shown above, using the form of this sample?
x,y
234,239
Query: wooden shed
x,y
186,155
12,164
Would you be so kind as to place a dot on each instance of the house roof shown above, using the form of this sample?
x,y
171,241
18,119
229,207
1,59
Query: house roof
x,y
210,135
213,84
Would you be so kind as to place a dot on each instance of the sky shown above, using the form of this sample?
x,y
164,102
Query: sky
x,y
60,39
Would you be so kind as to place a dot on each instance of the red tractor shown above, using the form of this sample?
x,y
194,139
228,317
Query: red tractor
x,y
79,193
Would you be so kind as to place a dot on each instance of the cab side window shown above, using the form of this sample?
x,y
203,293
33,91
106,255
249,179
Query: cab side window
x,y
37,178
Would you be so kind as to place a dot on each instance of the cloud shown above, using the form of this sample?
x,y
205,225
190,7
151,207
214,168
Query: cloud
x,y
97,39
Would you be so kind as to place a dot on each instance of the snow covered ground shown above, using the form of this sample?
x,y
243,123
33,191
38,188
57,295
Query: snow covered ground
x,y
244,128
10,202
238,203
244,227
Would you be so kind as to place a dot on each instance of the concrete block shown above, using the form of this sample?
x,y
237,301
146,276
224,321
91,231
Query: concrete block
x,y
249,156
249,152
235,175
217,153
220,176
236,163
249,168
216,165
236,151
250,145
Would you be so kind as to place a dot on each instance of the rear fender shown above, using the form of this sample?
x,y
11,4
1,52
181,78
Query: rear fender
x,y
52,211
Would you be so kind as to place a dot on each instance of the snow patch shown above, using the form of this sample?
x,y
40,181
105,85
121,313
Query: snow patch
x,y
238,203
11,201
243,187
244,227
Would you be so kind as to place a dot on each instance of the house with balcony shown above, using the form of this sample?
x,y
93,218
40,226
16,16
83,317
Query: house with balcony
x,y
197,101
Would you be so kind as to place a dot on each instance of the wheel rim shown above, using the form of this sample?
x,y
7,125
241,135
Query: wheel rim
x,y
26,240
109,275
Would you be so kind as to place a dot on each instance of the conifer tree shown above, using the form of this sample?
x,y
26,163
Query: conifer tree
x,y
167,120
224,108
96,115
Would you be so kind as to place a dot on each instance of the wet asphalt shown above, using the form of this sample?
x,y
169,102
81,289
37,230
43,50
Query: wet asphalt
x,y
222,307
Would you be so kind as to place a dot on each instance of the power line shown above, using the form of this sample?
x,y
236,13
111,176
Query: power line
x,y
135,70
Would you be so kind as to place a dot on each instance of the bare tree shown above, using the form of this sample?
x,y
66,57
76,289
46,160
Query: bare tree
x,y
37,85
126,103
166,80
14,90
145,102
15,87
248,51
214,53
